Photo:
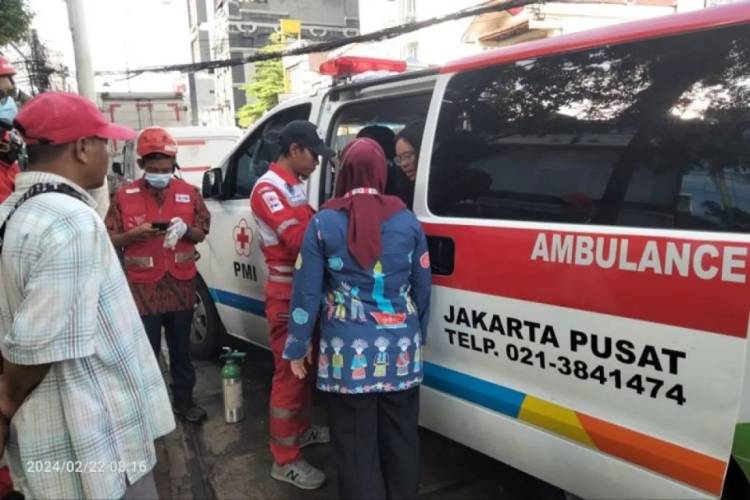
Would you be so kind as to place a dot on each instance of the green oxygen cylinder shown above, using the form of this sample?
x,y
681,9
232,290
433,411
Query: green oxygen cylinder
x,y
231,385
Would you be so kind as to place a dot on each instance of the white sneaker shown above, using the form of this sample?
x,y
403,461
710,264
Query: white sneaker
x,y
300,474
315,434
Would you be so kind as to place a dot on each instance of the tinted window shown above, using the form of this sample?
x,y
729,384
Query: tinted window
x,y
393,113
653,134
259,150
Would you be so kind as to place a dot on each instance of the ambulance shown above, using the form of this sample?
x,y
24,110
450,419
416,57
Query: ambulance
x,y
587,205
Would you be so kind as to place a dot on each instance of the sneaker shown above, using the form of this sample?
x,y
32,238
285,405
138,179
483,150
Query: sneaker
x,y
315,434
300,474
189,411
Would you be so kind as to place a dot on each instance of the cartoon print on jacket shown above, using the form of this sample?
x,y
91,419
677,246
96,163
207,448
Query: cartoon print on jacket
x,y
402,361
337,360
381,358
417,352
359,362
357,308
323,360
405,293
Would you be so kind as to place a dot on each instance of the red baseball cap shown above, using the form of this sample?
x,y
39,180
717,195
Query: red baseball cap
x,y
61,118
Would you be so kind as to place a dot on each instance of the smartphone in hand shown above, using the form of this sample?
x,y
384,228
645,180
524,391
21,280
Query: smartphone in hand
x,y
161,226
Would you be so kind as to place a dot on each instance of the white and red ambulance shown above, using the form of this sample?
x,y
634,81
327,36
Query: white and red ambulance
x,y
587,204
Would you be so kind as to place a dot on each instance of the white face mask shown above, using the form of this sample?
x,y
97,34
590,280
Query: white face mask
x,y
159,181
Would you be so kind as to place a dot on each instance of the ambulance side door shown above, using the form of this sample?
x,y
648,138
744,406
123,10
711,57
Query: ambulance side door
x,y
237,268
514,162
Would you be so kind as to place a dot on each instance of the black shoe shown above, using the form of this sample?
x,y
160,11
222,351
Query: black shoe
x,y
189,411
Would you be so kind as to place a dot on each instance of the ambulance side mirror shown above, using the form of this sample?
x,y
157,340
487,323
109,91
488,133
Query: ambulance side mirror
x,y
213,184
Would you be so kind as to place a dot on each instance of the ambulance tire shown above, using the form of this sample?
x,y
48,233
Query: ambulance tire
x,y
736,484
207,331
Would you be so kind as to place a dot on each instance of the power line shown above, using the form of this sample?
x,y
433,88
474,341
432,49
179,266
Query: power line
x,y
384,34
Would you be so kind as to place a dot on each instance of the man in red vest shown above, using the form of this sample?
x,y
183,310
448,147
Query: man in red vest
x,y
282,212
157,220
10,148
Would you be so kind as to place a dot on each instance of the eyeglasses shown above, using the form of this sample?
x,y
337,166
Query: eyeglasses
x,y
404,158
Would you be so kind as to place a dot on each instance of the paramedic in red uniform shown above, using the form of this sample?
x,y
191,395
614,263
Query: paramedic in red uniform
x,y
10,143
159,262
10,148
279,205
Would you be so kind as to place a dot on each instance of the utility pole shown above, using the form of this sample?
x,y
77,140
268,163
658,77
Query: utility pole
x,y
85,79
39,64
78,30
193,89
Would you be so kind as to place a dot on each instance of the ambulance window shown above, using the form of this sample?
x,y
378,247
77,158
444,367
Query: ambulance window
x,y
259,150
638,134
393,113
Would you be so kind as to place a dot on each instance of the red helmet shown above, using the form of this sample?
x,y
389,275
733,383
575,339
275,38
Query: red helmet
x,y
155,140
5,67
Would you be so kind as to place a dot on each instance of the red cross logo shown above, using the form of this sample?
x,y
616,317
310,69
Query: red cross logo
x,y
243,238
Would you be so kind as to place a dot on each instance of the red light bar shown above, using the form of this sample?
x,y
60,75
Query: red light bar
x,y
350,65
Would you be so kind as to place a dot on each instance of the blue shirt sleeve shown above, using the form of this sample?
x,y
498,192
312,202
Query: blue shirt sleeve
x,y
307,292
421,280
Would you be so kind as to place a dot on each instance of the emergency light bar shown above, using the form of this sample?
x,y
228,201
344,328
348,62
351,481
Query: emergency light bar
x,y
350,65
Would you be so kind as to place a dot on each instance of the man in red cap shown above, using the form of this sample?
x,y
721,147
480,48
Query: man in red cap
x,y
80,388
157,220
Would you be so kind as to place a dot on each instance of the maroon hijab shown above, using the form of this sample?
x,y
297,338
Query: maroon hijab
x,y
359,187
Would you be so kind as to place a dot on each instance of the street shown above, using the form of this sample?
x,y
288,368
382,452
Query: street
x,y
226,461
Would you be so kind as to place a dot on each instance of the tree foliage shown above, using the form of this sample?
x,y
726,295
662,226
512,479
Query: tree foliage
x,y
15,18
263,93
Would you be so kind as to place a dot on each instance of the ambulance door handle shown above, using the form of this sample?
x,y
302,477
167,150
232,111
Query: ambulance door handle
x,y
442,254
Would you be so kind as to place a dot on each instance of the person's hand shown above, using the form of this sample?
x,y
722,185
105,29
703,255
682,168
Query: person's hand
x,y
177,226
176,230
145,230
298,367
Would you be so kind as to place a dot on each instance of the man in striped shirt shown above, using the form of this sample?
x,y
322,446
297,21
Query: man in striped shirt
x,y
81,396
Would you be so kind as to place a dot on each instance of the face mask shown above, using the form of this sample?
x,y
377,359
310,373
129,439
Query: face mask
x,y
8,109
159,181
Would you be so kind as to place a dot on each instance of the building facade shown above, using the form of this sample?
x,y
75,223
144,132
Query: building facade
x,y
232,29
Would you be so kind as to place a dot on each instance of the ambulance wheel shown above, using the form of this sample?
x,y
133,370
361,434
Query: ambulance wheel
x,y
736,483
206,330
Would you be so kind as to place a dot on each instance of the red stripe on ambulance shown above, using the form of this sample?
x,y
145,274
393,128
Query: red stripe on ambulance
x,y
694,284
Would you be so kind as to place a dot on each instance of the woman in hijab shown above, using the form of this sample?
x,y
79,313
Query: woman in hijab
x,y
364,271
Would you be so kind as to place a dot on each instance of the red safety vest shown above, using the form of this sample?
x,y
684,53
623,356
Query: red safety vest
x,y
7,178
147,261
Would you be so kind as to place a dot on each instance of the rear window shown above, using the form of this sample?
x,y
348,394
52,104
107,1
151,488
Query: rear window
x,y
649,134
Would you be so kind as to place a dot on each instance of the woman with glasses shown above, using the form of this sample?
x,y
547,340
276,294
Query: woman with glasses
x,y
401,179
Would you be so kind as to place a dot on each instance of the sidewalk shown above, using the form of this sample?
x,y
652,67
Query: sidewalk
x,y
216,460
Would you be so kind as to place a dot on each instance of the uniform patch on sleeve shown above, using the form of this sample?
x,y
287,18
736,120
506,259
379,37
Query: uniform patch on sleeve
x,y
424,260
272,201
182,198
300,316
